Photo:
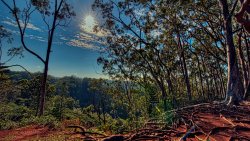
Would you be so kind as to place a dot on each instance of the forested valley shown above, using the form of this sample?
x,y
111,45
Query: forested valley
x,y
172,70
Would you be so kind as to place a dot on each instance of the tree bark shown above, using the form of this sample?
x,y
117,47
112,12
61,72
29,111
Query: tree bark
x,y
206,78
43,92
247,90
234,90
200,75
242,63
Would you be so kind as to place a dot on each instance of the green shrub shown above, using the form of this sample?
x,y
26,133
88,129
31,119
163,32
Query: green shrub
x,y
7,124
13,115
47,120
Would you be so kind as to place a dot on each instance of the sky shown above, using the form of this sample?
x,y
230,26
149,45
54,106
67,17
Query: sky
x,y
75,47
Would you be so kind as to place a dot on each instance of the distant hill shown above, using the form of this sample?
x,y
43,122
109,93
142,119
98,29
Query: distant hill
x,y
78,87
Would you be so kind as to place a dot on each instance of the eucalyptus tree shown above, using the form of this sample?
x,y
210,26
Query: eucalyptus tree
x,y
211,24
54,14
234,83
133,50
171,41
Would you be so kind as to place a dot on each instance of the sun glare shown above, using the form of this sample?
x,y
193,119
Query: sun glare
x,y
89,23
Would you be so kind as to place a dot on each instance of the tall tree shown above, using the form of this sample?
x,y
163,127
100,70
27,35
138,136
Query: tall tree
x,y
54,14
234,84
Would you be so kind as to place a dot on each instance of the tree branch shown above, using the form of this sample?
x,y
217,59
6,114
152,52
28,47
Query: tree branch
x,y
22,30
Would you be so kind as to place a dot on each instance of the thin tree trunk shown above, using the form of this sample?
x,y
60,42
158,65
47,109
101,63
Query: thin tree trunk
x,y
103,112
184,68
200,75
171,89
220,74
247,90
206,78
196,84
216,84
46,63
222,88
247,50
164,93
43,91
242,63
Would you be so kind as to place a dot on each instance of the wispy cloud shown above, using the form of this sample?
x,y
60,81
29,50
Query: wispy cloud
x,y
86,40
35,37
11,22
64,38
30,36
82,44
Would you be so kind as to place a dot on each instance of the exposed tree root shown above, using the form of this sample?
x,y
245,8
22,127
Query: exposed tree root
x,y
197,122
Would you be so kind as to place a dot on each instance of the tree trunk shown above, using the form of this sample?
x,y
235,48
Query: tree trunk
x,y
184,68
206,78
247,90
46,63
201,79
216,84
242,63
234,90
43,91
171,89
103,112
164,94
222,82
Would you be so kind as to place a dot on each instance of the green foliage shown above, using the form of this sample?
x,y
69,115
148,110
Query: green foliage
x,y
12,111
11,115
47,120
61,107
115,126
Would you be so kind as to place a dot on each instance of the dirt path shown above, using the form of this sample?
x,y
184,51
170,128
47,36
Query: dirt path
x,y
23,133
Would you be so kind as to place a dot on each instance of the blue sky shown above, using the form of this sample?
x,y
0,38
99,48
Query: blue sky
x,y
74,50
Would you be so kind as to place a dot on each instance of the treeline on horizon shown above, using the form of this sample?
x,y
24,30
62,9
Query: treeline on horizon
x,y
78,88
109,105
97,103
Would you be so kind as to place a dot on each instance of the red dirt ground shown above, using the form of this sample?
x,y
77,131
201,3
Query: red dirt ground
x,y
215,122
203,122
24,133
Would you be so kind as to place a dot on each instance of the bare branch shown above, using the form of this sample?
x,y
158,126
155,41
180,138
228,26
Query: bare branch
x,y
22,29
17,66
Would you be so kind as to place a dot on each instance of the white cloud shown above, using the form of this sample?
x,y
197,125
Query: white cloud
x,y
86,40
64,38
82,44
11,22
35,37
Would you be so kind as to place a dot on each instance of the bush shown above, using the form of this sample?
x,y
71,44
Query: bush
x,y
11,115
47,120
7,124
11,111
